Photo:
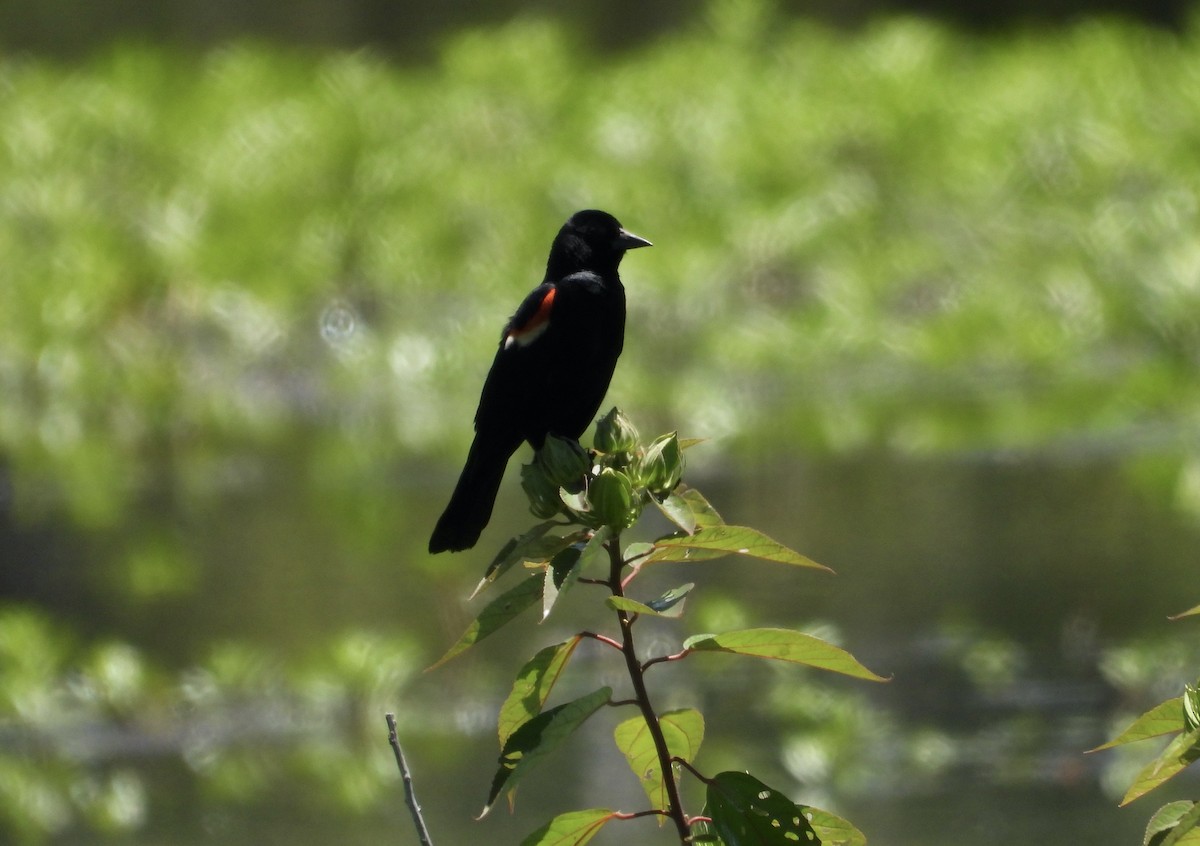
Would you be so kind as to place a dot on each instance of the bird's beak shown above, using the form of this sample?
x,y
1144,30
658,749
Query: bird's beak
x,y
628,241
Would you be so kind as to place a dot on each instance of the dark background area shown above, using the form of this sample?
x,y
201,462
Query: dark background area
x,y
67,28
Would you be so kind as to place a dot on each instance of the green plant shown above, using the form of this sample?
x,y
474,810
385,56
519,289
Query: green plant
x,y
586,506
1176,822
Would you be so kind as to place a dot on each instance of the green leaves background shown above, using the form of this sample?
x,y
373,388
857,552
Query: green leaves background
x,y
942,240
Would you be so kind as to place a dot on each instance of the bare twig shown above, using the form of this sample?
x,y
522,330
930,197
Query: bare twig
x,y
410,797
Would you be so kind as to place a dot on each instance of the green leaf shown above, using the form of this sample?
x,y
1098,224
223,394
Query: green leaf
x,y
715,541
1191,707
833,830
533,685
676,509
1191,612
688,509
1174,824
511,553
783,645
1180,752
638,551
672,598
534,545
703,831
577,502
560,574
1164,718
683,731
570,829
624,603
595,555
537,738
670,604
498,612
701,508
746,812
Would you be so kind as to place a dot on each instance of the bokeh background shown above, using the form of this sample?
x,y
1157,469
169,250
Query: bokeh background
x,y
926,276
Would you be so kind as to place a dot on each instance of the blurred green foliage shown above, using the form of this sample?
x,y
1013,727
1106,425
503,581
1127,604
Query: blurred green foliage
x,y
908,239
269,263
77,723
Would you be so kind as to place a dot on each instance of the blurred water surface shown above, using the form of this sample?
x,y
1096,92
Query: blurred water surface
x,y
221,676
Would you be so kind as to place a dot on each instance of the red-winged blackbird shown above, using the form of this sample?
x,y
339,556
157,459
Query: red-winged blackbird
x,y
557,355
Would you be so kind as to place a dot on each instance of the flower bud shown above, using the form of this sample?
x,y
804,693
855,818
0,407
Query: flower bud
x,y
615,433
661,468
542,493
612,499
564,462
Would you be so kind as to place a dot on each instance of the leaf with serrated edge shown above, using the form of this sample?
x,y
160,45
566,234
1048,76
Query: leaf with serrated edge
x,y
1164,718
1173,824
560,575
571,829
498,612
1191,707
537,738
1180,752
510,554
595,555
534,545
746,811
533,685
715,541
783,645
683,730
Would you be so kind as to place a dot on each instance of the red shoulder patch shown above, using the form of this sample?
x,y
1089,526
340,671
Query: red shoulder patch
x,y
531,329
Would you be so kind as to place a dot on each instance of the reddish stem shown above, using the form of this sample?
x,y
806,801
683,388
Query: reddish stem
x,y
664,658
605,639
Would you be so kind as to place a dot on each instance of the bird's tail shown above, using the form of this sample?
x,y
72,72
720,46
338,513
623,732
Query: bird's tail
x,y
470,505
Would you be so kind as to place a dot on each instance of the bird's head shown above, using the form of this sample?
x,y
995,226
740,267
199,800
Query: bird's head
x,y
591,240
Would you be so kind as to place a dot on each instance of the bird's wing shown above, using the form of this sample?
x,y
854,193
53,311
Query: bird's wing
x,y
531,318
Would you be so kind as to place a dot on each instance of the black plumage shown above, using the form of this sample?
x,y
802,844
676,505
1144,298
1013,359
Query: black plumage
x,y
553,366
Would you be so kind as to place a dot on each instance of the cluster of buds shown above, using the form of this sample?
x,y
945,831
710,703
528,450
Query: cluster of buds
x,y
607,486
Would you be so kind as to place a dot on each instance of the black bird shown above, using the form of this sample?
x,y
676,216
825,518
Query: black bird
x,y
556,357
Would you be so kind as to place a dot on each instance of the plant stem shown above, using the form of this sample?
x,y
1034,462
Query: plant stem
x,y
410,796
634,666
699,775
